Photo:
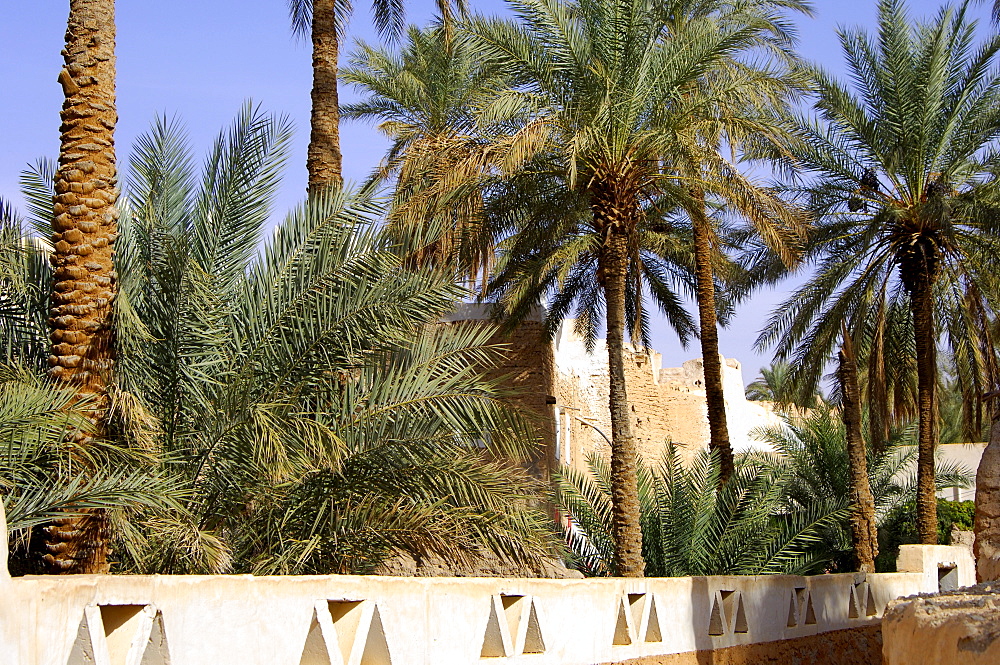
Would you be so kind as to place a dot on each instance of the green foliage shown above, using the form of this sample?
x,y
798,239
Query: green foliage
x,y
692,526
811,450
958,423
961,514
900,155
775,384
44,474
425,99
899,527
620,96
301,394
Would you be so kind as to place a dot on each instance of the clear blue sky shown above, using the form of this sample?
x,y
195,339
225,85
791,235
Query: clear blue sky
x,y
201,59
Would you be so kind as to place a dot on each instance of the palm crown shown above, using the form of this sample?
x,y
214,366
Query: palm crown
x,y
899,174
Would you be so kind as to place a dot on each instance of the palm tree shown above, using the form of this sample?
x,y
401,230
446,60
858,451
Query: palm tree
x,y
83,233
812,449
39,464
694,525
301,394
774,384
604,85
324,22
738,110
904,199
864,536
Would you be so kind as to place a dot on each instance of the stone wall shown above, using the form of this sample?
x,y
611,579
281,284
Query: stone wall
x,y
358,620
955,627
527,369
565,386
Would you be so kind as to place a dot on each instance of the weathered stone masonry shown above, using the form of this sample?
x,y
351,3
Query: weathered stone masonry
x,y
565,386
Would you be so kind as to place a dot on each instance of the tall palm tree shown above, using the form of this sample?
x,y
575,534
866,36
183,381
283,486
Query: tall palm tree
x,y
324,22
905,200
83,235
864,536
604,84
739,109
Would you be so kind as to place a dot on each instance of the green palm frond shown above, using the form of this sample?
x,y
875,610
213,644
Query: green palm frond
x,y
301,392
901,153
691,526
810,449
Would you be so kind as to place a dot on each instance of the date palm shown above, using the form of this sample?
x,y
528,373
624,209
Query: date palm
x,y
325,424
605,84
300,392
774,384
694,525
900,166
324,22
811,448
83,234
864,534
47,432
737,110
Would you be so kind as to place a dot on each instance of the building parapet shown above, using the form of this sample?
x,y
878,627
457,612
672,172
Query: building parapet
x,y
371,620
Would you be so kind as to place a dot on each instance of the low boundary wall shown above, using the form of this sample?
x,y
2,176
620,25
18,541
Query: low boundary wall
x,y
372,620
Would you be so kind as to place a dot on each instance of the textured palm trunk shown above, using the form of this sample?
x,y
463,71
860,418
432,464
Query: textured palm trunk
x,y
922,307
864,534
323,161
84,228
709,332
878,390
616,220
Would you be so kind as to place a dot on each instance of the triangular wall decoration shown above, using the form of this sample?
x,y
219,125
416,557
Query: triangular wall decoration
x,y
623,625
653,633
346,632
636,605
870,609
729,604
804,614
126,630
82,652
793,619
533,642
156,651
810,613
853,605
496,641
740,625
513,607
376,647
120,635
716,622
345,620
316,651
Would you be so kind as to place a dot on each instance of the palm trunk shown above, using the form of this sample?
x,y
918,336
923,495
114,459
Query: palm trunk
x,y
624,484
84,229
880,412
922,307
864,534
714,394
323,161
